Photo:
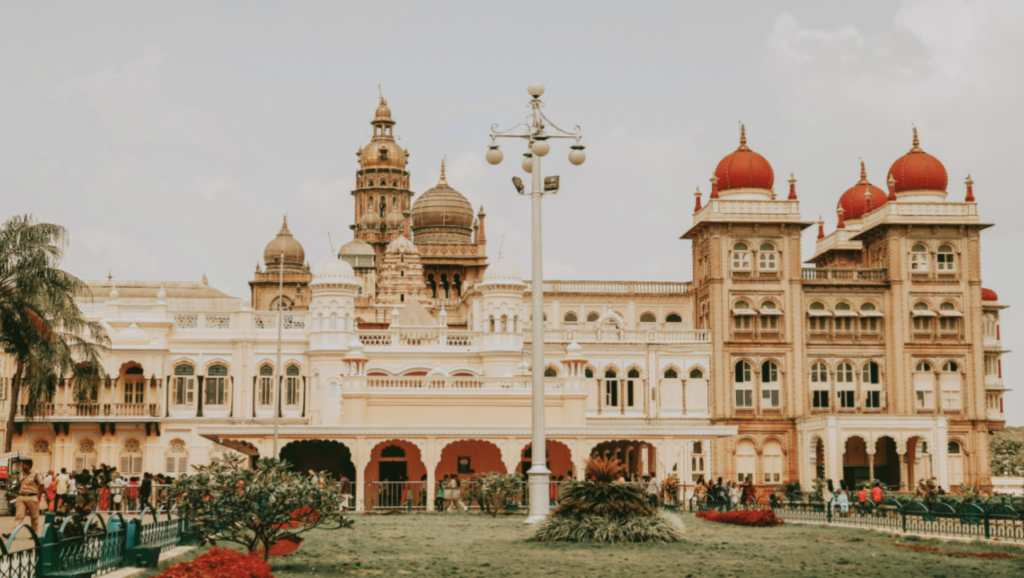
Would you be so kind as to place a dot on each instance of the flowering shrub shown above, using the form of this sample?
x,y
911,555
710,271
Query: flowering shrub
x,y
756,518
220,563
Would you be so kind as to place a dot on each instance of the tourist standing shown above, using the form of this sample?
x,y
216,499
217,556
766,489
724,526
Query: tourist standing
x,y
62,488
843,498
654,490
827,494
346,492
439,499
146,491
876,494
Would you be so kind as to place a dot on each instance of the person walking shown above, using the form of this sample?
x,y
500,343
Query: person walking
x,y
828,494
346,492
63,479
30,491
51,493
439,496
843,498
654,491
734,493
146,492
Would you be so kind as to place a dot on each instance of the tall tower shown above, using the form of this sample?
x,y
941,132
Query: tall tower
x,y
382,192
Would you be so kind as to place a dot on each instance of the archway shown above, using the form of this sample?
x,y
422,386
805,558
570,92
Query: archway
x,y
887,462
919,459
817,457
638,457
320,455
559,459
856,468
394,471
464,458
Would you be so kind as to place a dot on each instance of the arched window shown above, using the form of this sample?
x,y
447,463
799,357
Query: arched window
x,y
819,386
493,326
592,317
744,385
948,316
697,461
741,316
949,383
924,385
846,388
772,462
766,258
770,384
333,320
871,382
769,316
673,318
671,374
922,316
216,385
177,457
550,372
611,389
955,463
291,385
41,455
588,373
844,316
868,317
184,385
504,323
741,257
818,316
266,385
919,258
631,376
134,385
696,374
570,317
648,318
131,458
746,455
85,455
944,260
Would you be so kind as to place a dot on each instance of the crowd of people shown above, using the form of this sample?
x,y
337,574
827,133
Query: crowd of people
x,y
726,492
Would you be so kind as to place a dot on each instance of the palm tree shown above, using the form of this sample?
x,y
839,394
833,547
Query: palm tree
x,y
41,326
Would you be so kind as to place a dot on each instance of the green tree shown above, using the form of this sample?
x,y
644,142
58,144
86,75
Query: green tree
x,y
1006,451
228,502
41,325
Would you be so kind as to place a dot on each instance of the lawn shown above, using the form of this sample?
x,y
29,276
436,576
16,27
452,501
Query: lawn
x,y
473,545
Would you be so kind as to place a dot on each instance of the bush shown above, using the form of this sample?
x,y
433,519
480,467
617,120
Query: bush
x,y
220,563
755,518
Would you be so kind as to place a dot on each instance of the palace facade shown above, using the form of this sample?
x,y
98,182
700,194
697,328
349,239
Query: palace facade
x,y
877,357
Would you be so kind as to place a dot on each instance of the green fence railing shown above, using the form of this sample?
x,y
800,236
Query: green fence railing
x,y
995,518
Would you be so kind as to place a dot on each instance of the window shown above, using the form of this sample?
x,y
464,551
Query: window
x,y
550,372
131,458
948,316
41,455
919,258
570,318
611,389
741,257
845,386
648,318
216,390
745,456
769,316
177,457
819,385
184,385
769,384
924,386
673,318
741,315
766,258
632,375
291,385
944,261
991,365
949,382
818,316
588,373
922,317
772,462
592,317
868,317
134,385
266,385
671,374
871,382
85,457
697,461
696,374
333,390
844,317
744,384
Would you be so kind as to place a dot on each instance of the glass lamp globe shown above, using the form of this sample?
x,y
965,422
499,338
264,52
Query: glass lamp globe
x,y
535,88
540,147
528,163
494,155
576,155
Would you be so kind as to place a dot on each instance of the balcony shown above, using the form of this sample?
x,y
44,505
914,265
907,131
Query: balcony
x,y
420,339
582,336
442,384
842,276
615,287
95,411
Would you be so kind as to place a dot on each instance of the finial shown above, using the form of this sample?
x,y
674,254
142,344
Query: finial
x,y
113,293
161,295
917,143
892,188
501,247
284,226
743,138
863,174
714,187
821,227
205,281
970,190
697,206
381,93
443,181
842,223
792,187
110,273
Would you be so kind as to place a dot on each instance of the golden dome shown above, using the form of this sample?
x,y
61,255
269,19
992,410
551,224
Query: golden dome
x,y
394,220
370,220
442,215
294,254
382,151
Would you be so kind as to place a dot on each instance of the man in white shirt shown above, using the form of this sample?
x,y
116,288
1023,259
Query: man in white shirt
x,y
653,490
63,481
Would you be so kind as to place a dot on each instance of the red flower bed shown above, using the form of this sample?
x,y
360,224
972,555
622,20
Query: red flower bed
x,y
220,563
936,550
756,518
286,545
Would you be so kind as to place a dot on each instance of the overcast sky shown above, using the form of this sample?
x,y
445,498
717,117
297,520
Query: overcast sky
x,y
170,138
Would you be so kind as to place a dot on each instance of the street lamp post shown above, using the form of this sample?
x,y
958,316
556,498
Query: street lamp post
x,y
532,129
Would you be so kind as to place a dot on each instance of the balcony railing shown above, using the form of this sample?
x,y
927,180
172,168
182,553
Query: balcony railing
x,y
843,276
420,339
622,336
97,410
445,383
616,287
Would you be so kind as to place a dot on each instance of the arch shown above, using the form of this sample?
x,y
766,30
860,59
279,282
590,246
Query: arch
x,y
648,317
593,316
131,456
215,361
773,462
956,462
176,457
329,456
629,453
698,367
559,458
133,366
816,452
634,371
41,450
610,316
570,317
611,367
673,368
550,371
465,457
746,459
382,467
673,318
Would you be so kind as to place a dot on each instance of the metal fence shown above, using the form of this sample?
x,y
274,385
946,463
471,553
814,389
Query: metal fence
x,y
995,518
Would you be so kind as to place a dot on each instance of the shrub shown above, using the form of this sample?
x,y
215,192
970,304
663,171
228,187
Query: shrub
x,y
755,518
495,491
220,563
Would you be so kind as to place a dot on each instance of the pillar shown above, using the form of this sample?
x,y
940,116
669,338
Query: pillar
x,y
903,469
871,465
360,458
430,459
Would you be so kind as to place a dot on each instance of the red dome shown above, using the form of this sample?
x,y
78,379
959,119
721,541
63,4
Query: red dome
x,y
744,169
918,171
854,202
988,295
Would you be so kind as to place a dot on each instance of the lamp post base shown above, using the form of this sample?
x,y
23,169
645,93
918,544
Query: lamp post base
x,y
539,484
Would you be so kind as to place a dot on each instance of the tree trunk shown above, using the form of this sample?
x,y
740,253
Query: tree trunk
x,y
13,409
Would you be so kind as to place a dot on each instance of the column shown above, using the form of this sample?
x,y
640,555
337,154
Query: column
x,y
430,460
903,469
645,458
871,465
360,458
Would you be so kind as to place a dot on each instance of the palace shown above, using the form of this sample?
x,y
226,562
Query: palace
x,y
877,357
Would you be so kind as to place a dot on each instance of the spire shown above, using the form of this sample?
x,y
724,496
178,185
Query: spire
x,y
842,223
792,187
970,189
863,174
821,227
284,227
892,188
442,181
714,187
917,143
697,206
743,138
381,93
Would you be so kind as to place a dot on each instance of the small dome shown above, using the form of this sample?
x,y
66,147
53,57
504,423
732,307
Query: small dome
x,y
854,200
402,245
133,334
442,215
988,295
918,171
744,169
382,151
383,112
394,220
370,220
357,247
334,268
502,272
294,254
574,348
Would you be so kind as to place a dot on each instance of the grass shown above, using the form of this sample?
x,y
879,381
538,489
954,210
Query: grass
x,y
473,545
